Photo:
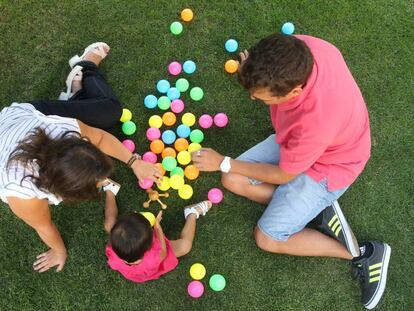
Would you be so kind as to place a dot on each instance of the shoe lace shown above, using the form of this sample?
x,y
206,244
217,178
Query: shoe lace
x,y
358,272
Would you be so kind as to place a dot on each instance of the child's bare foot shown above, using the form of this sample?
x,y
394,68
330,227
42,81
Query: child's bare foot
x,y
197,209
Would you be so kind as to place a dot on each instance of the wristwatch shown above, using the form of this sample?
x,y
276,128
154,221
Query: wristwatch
x,y
225,165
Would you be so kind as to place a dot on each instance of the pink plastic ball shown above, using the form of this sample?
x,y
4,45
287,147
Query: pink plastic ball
x,y
221,119
205,121
150,157
177,105
153,133
174,68
129,144
215,195
146,183
195,289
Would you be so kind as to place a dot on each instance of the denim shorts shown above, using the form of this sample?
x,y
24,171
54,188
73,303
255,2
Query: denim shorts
x,y
293,205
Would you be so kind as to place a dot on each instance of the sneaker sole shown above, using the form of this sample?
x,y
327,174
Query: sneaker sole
x,y
383,281
350,240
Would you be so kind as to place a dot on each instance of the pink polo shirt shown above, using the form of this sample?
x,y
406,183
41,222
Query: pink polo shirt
x,y
325,131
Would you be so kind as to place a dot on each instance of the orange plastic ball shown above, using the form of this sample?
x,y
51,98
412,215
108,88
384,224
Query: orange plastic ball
x,y
181,144
187,15
231,66
191,172
169,118
168,152
160,168
157,146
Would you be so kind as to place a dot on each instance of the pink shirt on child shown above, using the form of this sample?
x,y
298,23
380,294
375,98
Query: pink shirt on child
x,y
324,132
151,266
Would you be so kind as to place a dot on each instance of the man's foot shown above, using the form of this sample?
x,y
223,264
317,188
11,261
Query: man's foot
x,y
197,209
371,268
332,222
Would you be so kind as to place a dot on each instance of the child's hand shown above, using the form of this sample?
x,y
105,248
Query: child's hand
x,y
158,220
243,56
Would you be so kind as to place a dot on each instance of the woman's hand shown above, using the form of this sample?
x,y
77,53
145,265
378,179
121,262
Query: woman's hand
x,y
49,259
143,169
207,160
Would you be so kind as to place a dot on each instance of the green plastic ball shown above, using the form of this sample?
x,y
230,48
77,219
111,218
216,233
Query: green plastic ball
x,y
176,28
129,128
196,136
164,103
196,93
169,163
177,171
217,282
182,85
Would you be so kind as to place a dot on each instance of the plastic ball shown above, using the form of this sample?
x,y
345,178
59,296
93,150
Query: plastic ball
x,y
183,131
231,45
191,172
169,118
163,86
150,101
173,93
150,157
157,146
176,28
164,184
195,289
288,28
168,152
169,163
188,119
196,136
185,192
164,103
177,106
194,147
215,195
150,217
155,121
129,144
231,66
146,183
126,115
217,282
187,15
189,66
177,171
182,85
153,133
168,137
221,119
174,68
197,271
176,181
205,121
184,157
160,168
129,128
181,144
196,93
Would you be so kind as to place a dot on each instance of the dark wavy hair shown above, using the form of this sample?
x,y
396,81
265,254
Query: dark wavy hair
x,y
277,62
69,166
131,237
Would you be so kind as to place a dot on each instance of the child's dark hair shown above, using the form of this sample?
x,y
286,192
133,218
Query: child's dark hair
x,y
131,237
277,62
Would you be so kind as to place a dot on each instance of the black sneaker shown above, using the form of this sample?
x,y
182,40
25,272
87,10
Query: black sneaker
x,y
372,272
332,222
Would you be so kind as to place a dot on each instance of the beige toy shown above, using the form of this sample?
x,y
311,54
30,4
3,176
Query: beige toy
x,y
153,195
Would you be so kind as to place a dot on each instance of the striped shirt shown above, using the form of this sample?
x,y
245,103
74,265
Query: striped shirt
x,y
16,123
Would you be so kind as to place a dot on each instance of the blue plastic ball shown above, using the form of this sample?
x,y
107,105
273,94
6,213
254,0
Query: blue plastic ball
x,y
168,137
231,45
288,28
173,93
163,86
150,101
183,131
189,66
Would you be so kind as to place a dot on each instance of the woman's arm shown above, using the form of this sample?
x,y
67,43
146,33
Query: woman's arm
x,y
36,213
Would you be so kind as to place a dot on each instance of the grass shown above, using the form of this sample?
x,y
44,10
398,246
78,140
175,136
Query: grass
x,y
38,37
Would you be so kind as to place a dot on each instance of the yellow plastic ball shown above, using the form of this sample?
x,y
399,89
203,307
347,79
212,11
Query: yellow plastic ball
x,y
126,115
231,66
188,119
150,217
184,157
194,147
197,271
155,121
187,15
164,184
176,181
185,192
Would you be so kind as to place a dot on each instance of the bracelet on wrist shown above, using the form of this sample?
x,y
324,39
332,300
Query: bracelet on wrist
x,y
132,159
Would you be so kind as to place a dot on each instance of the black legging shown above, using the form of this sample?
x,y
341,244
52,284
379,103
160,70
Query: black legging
x,y
95,104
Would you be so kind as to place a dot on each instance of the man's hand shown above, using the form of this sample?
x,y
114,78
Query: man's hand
x,y
207,159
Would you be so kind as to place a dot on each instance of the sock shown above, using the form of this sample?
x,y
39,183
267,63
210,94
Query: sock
x,y
366,251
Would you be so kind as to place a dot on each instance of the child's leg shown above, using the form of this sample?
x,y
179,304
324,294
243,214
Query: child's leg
x,y
111,211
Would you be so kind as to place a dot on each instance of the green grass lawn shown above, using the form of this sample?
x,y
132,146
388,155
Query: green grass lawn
x,y
38,37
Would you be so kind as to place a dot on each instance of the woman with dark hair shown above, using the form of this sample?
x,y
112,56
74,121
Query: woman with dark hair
x,y
53,151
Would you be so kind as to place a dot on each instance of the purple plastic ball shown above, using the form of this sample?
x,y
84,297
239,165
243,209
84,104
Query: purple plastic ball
x,y
215,195
177,106
205,121
129,144
150,157
153,133
221,119
195,289
174,68
146,183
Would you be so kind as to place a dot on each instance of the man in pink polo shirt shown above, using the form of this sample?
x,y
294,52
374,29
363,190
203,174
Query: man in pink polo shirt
x,y
322,143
